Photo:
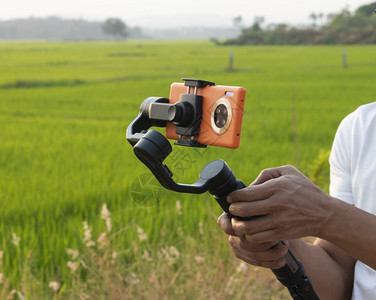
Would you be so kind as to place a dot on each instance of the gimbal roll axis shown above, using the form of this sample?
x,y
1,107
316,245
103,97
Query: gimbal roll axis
x,y
151,148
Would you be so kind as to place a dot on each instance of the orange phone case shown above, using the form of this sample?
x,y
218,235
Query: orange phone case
x,y
207,136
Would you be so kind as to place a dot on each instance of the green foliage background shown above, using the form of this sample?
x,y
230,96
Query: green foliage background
x,y
64,108
340,28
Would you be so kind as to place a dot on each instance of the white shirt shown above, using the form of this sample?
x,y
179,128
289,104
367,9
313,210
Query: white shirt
x,y
353,179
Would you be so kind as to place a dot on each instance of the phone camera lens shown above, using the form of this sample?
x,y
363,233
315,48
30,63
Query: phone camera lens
x,y
220,116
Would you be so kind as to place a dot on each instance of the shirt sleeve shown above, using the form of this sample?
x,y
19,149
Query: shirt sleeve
x,y
340,162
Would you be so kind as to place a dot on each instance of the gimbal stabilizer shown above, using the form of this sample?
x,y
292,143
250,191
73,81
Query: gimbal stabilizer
x,y
151,148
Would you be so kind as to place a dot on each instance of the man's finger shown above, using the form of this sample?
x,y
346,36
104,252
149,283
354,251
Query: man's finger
x,y
272,173
243,243
224,222
252,209
252,193
271,258
255,226
266,175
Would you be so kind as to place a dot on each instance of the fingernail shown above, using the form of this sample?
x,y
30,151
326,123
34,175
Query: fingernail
x,y
232,209
229,199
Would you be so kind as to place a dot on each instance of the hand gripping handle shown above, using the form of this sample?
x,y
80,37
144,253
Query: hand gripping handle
x,y
152,148
292,275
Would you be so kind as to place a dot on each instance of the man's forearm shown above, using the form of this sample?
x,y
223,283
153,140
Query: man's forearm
x,y
329,268
352,230
347,235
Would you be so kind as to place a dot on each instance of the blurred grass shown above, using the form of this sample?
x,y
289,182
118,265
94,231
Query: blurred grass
x,y
64,108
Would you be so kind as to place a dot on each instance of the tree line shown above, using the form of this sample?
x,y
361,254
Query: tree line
x,y
55,28
344,27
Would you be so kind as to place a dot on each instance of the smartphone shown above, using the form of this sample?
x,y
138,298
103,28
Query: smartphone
x,y
222,114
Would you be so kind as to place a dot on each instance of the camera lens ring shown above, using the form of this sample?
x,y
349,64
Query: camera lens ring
x,y
225,114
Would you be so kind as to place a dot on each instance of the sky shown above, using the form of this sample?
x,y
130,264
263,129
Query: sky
x,y
178,13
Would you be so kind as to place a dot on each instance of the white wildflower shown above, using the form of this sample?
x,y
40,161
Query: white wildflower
x,y
174,252
113,256
106,215
73,253
178,207
102,237
54,285
199,259
146,256
87,235
15,239
201,228
90,244
133,280
141,234
73,265
242,267
171,254
102,240
87,231
108,224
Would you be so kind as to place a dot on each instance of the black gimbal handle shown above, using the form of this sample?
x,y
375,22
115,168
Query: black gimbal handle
x,y
292,275
223,182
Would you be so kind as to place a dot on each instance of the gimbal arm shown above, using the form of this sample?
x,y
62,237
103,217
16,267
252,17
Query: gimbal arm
x,y
151,147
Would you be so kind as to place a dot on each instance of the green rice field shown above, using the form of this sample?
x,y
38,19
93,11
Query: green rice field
x,y
82,218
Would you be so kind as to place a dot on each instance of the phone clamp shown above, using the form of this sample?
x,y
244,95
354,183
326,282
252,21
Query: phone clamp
x,y
188,132
186,115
